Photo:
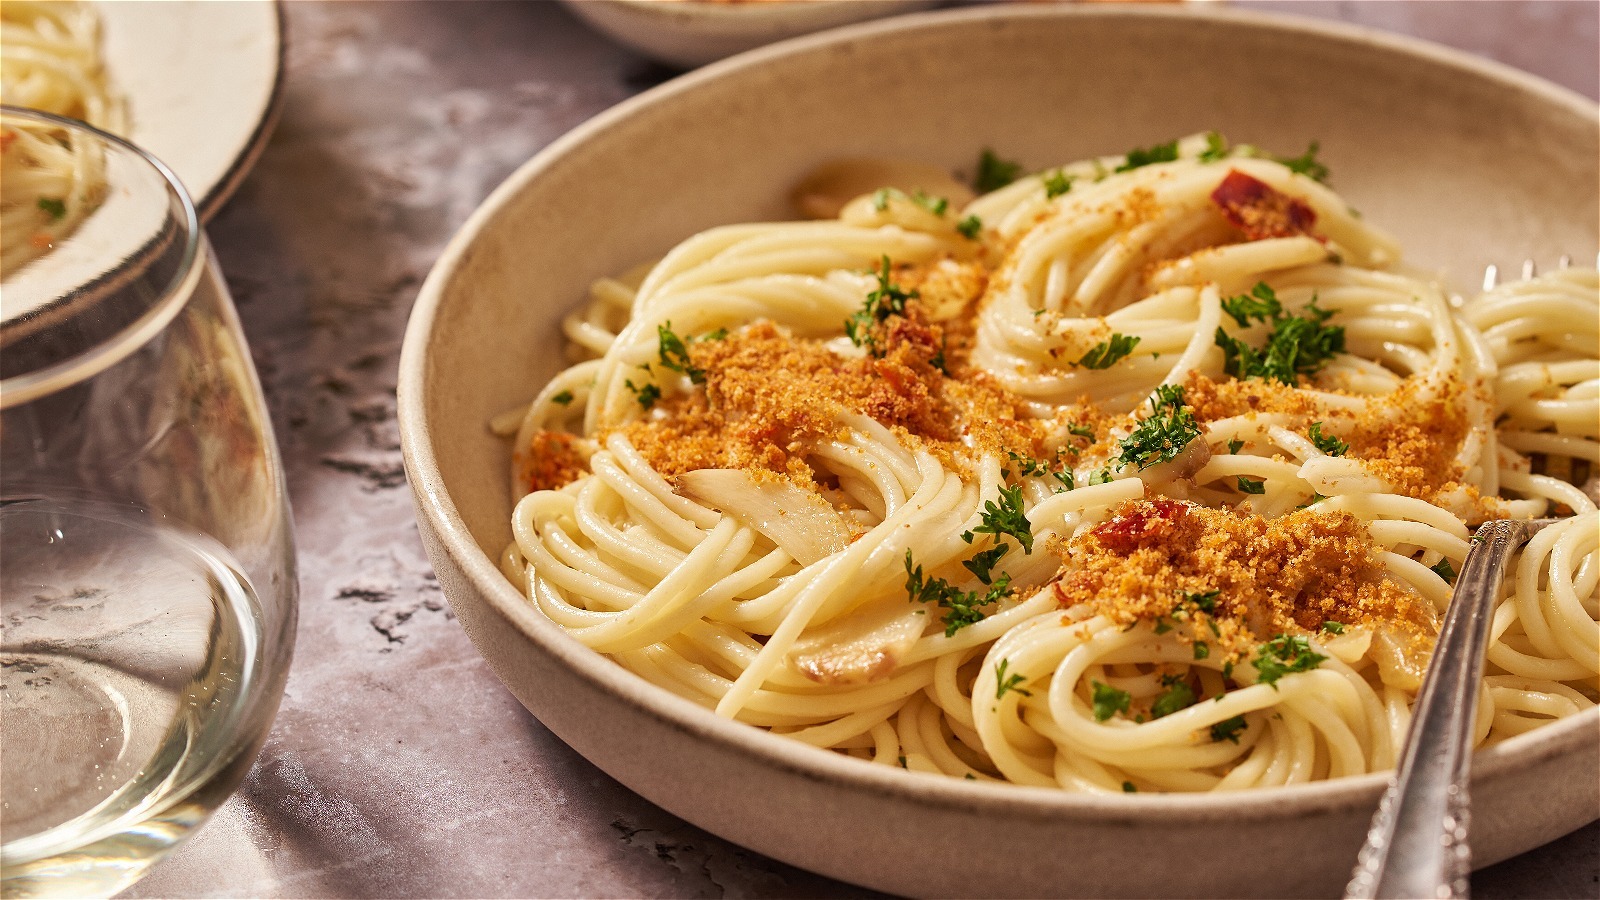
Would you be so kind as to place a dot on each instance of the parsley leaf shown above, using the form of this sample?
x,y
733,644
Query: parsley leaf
x,y
562,398
1145,156
1216,147
1327,443
994,173
982,564
1298,345
646,395
935,205
1228,729
54,207
1178,696
1101,475
1004,683
961,607
1057,183
1201,651
1129,787
1005,517
1163,435
1082,431
1260,304
1306,163
1205,601
1284,655
1103,354
1252,486
1332,627
1443,569
1108,701
1027,465
970,227
674,354
1234,446
1067,479
885,300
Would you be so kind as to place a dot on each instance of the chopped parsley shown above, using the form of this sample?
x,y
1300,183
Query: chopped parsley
x,y
1108,701
1105,353
1004,683
1082,431
1234,446
1443,569
1201,650
646,395
54,207
982,564
1205,601
1228,729
1005,516
1144,156
1285,655
1252,486
961,607
1057,183
1298,345
1332,627
1260,304
562,398
994,173
1101,475
1163,435
674,354
935,205
885,300
1129,788
1177,696
1327,443
1027,465
1216,147
1306,163
970,227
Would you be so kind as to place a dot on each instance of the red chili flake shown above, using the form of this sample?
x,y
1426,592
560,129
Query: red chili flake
x,y
1141,524
1261,210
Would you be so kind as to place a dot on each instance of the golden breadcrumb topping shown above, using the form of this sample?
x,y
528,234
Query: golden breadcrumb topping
x,y
1164,560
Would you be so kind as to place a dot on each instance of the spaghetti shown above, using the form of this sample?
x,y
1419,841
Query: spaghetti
x,y
1151,472
50,61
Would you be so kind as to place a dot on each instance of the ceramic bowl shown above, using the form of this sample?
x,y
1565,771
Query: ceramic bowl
x,y
689,33
1467,162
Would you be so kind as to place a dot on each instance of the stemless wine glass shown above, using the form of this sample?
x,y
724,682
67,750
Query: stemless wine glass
x,y
146,561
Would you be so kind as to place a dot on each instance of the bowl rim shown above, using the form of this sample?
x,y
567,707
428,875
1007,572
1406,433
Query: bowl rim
x,y
435,505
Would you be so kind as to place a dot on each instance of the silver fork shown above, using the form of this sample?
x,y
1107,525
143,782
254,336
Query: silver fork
x,y
1417,844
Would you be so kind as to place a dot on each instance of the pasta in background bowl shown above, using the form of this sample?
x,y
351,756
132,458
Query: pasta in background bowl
x,y
1400,126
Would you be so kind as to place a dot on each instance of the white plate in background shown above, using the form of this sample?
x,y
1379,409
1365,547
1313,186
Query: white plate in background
x,y
202,83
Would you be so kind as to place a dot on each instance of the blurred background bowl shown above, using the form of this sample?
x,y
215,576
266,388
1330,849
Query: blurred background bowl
x,y
689,33
1466,162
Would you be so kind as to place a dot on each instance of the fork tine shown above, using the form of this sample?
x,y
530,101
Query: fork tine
x,y
1529,269
1491,276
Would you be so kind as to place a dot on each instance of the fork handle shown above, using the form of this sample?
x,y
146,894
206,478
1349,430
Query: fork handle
x,y
1417,846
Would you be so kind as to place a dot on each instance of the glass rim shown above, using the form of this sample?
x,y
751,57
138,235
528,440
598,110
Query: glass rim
x,y
106,352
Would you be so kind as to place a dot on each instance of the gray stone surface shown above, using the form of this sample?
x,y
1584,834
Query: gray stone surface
x,y
398,765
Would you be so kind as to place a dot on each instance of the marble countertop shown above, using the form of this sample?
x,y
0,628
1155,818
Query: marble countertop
x,y
398,765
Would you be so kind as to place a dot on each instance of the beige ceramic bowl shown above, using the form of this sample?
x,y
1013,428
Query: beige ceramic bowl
x,y
1467,162
688,33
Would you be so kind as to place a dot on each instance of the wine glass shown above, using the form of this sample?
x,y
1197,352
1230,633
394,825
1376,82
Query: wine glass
x,y
147,578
